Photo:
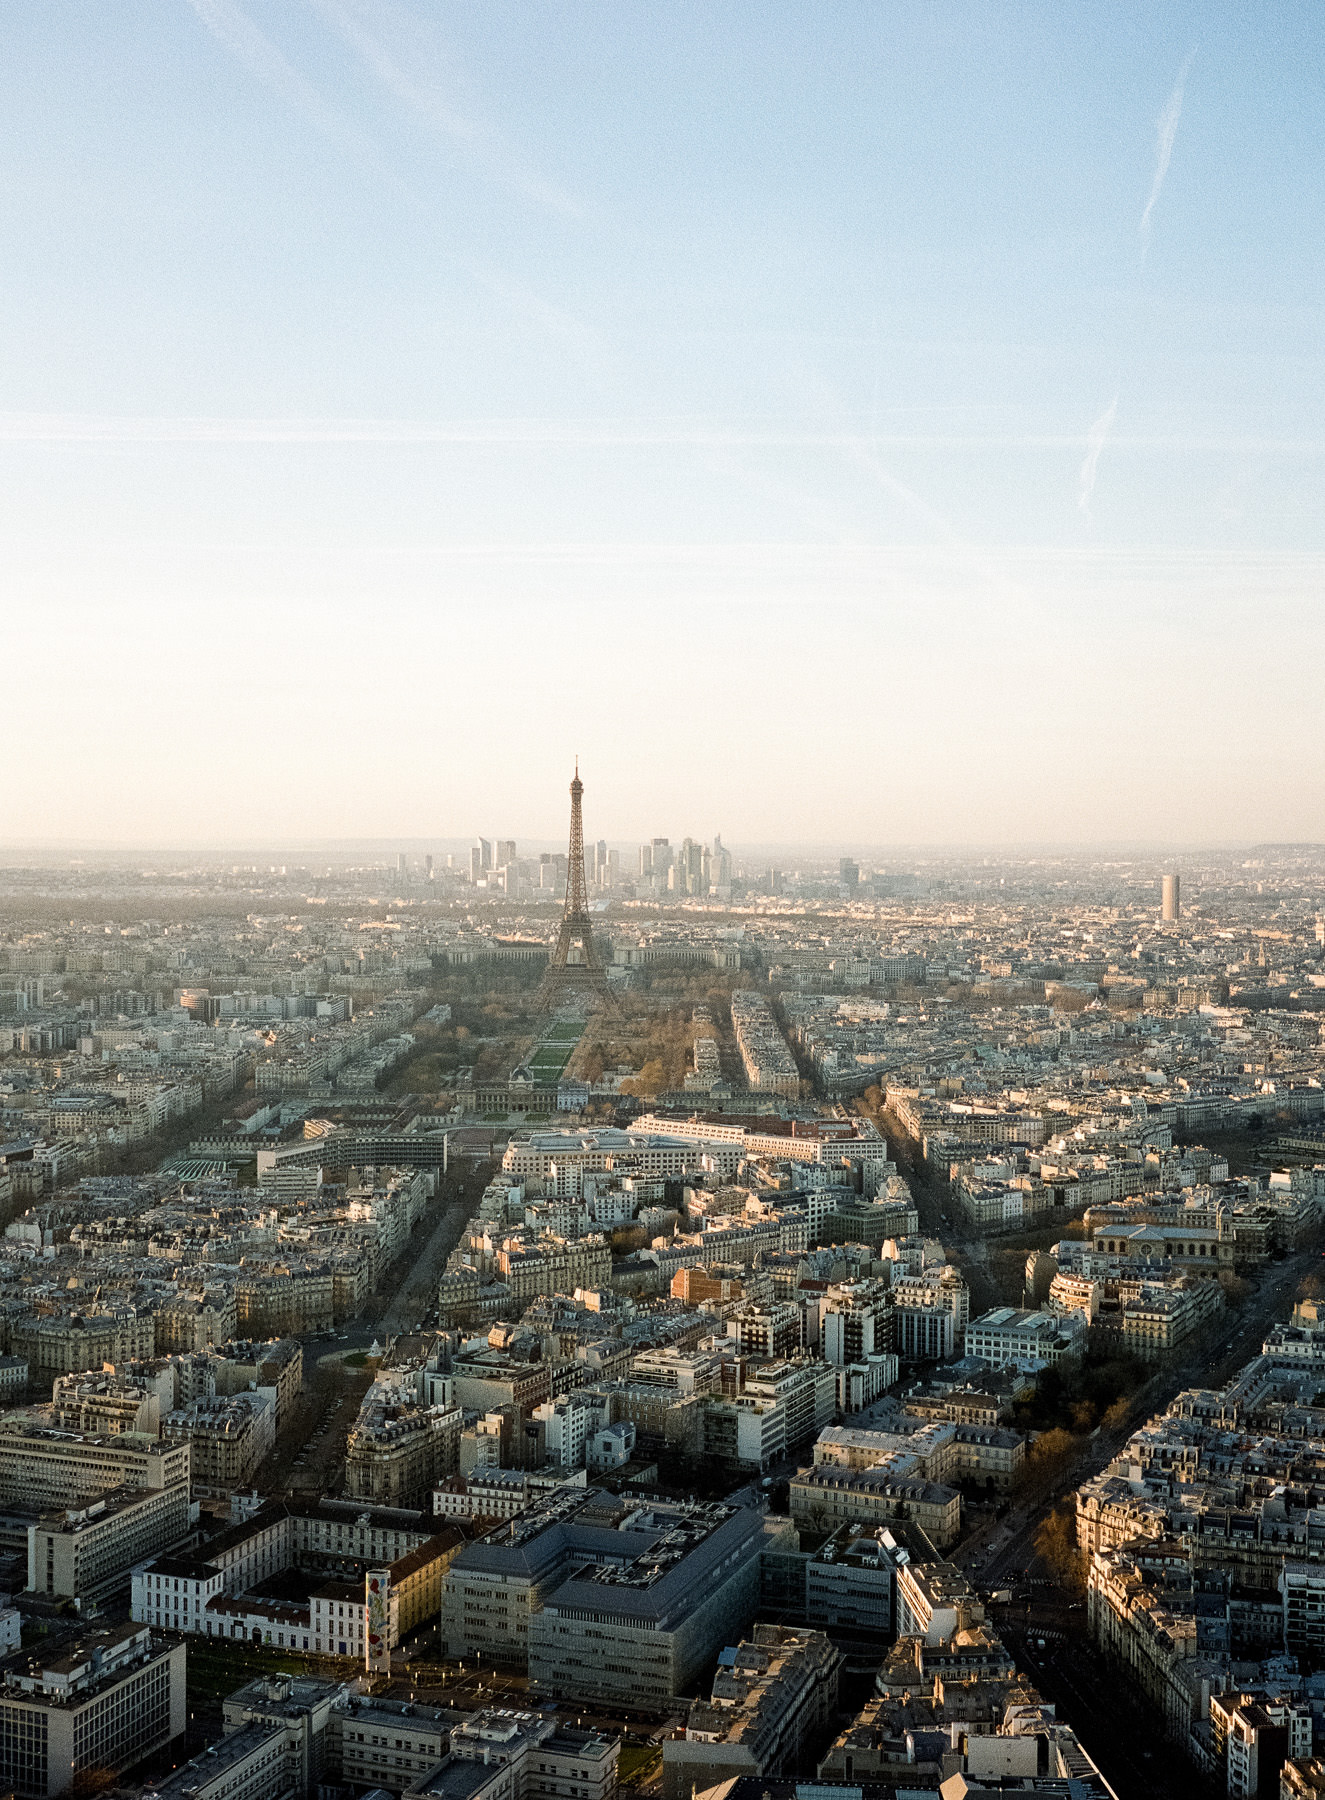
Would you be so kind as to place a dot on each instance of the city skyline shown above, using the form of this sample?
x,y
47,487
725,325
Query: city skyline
x,y
383,386
798,1274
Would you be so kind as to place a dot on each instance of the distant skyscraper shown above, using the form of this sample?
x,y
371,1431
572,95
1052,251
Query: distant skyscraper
x,y
505,852
402,864
1170,906
690,868
476,863
720,863
427,868
484,849
848,873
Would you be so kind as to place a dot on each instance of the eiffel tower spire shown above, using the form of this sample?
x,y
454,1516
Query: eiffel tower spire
x,y
583,979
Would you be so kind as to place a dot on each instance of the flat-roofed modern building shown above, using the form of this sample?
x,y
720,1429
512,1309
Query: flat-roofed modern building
x,y
248,1764
66,1467
86,1553
606,1601
1009,1335
503,1755
105,1700
849,1582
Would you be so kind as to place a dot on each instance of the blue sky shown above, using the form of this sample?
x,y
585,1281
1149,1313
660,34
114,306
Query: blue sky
x,y
848,422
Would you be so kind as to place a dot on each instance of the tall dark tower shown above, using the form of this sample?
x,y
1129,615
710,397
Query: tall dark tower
x,y
574,971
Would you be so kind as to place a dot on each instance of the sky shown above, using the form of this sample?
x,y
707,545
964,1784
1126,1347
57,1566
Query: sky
x,y
859,422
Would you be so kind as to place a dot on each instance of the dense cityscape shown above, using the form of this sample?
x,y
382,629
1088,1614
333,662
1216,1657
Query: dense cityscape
x,y
662,900
648,1318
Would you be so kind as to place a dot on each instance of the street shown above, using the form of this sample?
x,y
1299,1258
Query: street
x,y
1045,1627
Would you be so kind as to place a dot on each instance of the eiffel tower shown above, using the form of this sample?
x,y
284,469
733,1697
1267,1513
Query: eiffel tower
x,y
584,978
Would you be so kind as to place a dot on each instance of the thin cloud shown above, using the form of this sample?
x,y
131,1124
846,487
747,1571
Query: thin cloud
x,y
1166,132
1096,439
553,321
591,434
957,551
484,146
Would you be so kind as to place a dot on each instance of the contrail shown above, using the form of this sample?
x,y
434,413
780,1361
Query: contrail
x,y
1167,131
1096,439
254,49
483,145
232,28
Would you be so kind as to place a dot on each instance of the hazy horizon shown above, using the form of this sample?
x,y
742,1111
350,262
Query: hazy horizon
x,y
858,425
77,849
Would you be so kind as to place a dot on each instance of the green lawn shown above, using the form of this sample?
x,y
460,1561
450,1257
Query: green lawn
x,y
554,1050
636,1762
216,1669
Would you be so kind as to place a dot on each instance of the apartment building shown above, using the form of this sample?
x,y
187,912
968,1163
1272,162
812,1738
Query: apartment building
x,y
770,1067
824,1497
806,1390
227,1439
103,1402
493,1493
744,1432
553,1266
275,1365
69,1343
855,1322
1254,1736
399,1448
1302,1778
925,1330
13,1379
771,1693
1156,1318
934,1601
284,1300
568,1423
768,1331
190,1322
938,1285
